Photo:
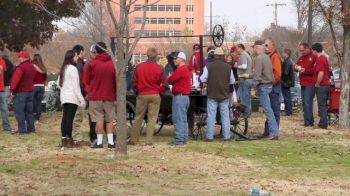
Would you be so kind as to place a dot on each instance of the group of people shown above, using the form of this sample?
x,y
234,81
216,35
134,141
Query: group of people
x,y
227,78
25,85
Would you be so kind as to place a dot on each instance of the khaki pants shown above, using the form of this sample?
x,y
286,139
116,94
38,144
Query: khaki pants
x,y
78,120
150,103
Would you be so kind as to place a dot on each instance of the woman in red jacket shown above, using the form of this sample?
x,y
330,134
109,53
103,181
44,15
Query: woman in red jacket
x,y
39,85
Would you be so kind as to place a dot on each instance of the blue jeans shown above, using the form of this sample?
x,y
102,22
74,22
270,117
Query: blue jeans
x,y
263,91
180,106
307,96
4,111
287,97
322,94
212,106
39,92
244,95
23,105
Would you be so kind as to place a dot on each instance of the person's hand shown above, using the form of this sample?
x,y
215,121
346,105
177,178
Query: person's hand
x,y
83,104
317,85
235,65
236,104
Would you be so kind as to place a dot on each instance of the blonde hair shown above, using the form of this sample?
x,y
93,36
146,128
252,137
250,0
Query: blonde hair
x,y
152,53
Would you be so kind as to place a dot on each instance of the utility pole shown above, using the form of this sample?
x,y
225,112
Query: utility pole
x,y
101,20
276,5
211,18
309,23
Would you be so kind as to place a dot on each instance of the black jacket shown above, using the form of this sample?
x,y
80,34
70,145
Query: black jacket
x,y
287,73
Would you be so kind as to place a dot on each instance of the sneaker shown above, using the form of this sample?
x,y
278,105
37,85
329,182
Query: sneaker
x,y
111,145
209,140
14,131
97,146
9,130
176,143
131,142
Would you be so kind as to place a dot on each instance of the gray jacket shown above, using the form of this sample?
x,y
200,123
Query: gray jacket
x,y
263,69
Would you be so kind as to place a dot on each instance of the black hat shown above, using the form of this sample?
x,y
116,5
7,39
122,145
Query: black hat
x,y
258,43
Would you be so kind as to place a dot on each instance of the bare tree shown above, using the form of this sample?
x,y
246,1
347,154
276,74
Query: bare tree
x,y
301,8
345,68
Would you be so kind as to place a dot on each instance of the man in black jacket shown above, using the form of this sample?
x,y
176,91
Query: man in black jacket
x,y
287,81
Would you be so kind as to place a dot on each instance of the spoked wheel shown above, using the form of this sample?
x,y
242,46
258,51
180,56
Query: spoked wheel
x,y
333,118
161,121
200,124
239,123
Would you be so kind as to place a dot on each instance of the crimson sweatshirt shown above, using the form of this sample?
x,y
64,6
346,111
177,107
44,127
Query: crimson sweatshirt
x,y
307,62
149,78
100,77
23,78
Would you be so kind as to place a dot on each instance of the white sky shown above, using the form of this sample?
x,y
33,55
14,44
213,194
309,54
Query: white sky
x,y
252,13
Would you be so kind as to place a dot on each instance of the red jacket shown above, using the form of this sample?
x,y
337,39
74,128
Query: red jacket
x,y
181,80
23,78
322,64
4,69
100,77
40,78
195,63
149,78
307,62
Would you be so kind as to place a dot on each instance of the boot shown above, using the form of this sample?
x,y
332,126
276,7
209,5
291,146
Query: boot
x,y
63,142
70,143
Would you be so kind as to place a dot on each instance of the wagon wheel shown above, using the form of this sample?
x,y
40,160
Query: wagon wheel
x,y
200,124
239,123
218,35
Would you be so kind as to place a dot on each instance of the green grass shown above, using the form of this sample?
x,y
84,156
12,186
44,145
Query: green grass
x,y
288,157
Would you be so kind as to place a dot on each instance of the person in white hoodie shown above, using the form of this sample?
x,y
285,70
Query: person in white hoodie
x,y
71,97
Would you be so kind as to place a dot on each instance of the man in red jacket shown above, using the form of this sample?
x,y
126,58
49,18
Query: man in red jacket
x,y
195,61
181,81
305,67
22,85
100,77
149,84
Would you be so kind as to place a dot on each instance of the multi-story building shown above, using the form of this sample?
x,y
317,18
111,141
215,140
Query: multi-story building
x,y
165,18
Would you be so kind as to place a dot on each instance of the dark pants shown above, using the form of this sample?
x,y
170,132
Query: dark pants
x,y
275,100
23,105
287,97
322,94
92,133
307,96
39,92
69,110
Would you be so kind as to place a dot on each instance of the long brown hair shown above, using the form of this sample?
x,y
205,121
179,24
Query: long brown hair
x,y
68,60
37,60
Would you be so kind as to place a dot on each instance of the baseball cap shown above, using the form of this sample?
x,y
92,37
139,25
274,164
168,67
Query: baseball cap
x,y
219,51
182,55
258,43
23,54
233,49
196,46
93,48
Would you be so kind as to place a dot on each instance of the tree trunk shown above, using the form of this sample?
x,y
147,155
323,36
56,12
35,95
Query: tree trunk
x,y
309,24
344,69
121,147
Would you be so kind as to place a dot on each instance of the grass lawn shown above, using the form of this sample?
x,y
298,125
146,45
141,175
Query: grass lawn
x,y
305,161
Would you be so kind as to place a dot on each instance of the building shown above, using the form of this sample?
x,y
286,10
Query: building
x,y
165,18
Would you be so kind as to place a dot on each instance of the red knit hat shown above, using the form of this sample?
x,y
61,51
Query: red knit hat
x,y
23,54
233,49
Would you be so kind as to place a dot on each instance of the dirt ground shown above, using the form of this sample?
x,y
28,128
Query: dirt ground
x,y
34,165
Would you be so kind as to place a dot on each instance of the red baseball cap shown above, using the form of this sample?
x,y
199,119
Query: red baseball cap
x,y
23,54
233,49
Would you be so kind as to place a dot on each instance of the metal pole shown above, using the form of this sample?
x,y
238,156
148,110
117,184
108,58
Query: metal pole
x,y
211,17
101,25
309,24
201,52
276,14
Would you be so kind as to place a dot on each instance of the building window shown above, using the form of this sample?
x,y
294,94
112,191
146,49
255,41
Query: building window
x,y
177,8
159,8
189,20
189,8
161,20
177,21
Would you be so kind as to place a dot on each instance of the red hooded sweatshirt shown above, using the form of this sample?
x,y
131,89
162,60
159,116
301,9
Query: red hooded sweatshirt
x,y
100,77
23,78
